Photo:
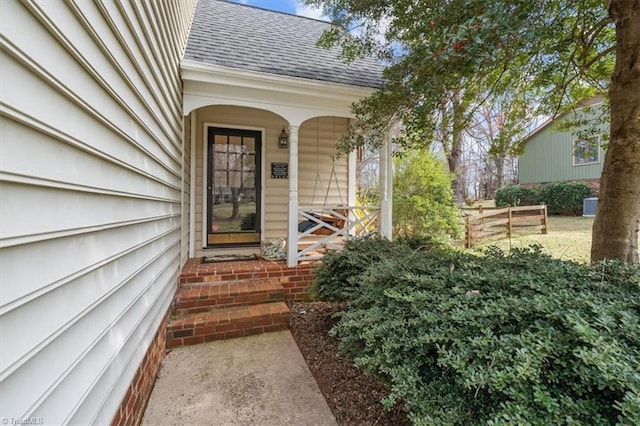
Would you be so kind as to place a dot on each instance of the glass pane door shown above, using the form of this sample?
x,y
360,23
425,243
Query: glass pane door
x,y
233,187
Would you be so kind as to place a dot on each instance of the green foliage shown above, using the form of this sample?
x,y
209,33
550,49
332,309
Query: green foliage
x,y
521,339
564,197
550,53
422,198
248,222
337,279
560,197
502,126
587,122
368,196
515,195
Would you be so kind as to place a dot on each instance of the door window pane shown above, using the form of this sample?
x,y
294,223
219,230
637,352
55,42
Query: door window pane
x,y
233,197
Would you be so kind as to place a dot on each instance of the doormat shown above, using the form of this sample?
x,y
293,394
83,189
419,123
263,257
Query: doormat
x,y
228,258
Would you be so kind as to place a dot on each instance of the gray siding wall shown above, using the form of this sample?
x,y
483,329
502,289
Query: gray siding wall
x,y
548,157
91,184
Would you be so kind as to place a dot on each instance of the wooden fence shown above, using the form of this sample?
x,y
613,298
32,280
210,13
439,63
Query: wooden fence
x,y
504,222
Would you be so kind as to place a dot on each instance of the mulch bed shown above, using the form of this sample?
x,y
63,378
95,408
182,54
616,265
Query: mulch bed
x,y
353,397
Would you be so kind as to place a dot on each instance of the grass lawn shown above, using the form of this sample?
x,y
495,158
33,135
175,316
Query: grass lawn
x,y
222,213
569,238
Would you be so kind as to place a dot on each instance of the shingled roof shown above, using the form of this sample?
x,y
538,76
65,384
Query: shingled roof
x,y
254,39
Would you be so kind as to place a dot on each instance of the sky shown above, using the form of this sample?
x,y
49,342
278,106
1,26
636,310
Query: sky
x,y
288,6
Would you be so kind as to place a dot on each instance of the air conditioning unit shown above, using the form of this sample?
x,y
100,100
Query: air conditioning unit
x,y
589,207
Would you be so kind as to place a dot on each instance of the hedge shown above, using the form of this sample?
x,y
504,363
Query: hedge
x,y
502,339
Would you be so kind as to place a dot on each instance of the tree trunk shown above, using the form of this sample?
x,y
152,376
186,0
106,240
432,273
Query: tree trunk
x,y
235,203
498,161
457,182
453,159
615,230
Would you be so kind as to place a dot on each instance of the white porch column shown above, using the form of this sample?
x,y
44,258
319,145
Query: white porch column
x,y
386,188
184,224
351,186
351,179
390,187
292,236
192,188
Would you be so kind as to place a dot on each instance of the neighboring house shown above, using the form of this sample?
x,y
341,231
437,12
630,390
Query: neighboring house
x,y
553,155
133,136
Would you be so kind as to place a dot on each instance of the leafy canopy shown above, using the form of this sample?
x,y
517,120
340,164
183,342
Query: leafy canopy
x,y
552,52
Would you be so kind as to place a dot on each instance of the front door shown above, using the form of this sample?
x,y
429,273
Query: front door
x,y
233,187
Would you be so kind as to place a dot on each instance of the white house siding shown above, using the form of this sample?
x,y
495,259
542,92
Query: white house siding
x,y
90,181
276,191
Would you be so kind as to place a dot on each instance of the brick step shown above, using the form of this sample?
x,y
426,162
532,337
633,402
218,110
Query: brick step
x,y
226,323
200,298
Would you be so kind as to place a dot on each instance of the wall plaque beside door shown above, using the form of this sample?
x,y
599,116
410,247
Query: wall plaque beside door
x,y
279,170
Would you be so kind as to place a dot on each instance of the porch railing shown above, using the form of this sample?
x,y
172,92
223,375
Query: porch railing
x,y
329,226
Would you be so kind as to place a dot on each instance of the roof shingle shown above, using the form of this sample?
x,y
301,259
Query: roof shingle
x,y
249,38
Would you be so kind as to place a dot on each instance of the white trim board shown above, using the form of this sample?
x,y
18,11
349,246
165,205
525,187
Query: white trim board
x,y
294,99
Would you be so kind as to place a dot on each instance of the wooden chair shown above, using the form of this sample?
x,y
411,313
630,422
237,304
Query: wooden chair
x,y
329,219
336,222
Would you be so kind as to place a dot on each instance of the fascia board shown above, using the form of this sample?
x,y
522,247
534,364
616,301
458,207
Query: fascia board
x,y
196,71
265,96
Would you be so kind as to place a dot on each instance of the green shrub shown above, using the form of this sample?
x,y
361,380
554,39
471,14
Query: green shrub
x,y
564,197
423,203
521,339
248,222
515,195
337,279
368,196
419,243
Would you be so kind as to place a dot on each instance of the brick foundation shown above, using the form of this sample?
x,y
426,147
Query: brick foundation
x,y
135,400
296,287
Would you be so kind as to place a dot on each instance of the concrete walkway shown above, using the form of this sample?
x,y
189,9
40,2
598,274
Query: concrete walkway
x,y
257,380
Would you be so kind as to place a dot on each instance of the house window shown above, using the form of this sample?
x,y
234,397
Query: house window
x,y
586,151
